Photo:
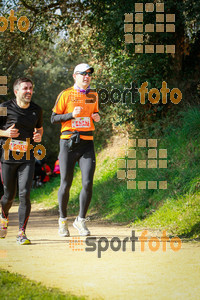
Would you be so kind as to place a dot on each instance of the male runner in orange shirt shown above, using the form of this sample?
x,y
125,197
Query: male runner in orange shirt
x,y
76,108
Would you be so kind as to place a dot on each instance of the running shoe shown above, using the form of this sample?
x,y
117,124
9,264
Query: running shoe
x,y
81,227
22,238
3,227
63,228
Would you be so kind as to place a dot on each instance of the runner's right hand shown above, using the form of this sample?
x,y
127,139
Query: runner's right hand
x,y
76,111
11,132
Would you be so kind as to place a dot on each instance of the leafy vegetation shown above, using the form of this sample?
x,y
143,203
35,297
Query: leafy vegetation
x,y
63,34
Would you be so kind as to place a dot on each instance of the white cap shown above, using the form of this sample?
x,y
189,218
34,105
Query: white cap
x,y
83,68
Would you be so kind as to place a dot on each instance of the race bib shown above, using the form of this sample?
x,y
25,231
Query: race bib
x,y
17,145
81,122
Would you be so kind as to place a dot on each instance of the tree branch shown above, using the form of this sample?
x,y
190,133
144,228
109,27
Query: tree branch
x,y
30,7
43,9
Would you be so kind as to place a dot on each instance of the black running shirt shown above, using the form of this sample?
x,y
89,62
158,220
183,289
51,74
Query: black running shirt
x,y
25,119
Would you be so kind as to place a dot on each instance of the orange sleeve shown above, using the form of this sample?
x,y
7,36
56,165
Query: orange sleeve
x,y
96,108
60,105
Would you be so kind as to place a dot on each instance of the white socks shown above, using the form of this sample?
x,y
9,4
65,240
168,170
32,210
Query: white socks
x,y
80,219
63,219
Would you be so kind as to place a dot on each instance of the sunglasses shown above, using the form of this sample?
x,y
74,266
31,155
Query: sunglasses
x,y
85,73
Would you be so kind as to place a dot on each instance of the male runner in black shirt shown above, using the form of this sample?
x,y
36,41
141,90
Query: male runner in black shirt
x,y
23,121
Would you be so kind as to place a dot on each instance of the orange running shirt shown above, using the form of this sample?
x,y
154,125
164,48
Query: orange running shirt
x,y
67,100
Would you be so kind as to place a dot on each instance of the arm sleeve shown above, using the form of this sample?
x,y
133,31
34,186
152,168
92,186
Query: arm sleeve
x,y
58,114
58,118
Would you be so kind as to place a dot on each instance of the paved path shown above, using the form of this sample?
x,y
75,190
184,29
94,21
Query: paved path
x,y
116,275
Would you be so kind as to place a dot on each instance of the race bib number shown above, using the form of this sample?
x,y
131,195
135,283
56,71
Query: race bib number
x,y
81,122
17,145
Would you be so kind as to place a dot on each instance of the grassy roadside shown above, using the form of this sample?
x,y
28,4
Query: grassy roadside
x,y
180,216
175,209
13,286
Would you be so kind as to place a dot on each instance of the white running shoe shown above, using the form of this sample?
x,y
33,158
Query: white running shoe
x,y
81,227
63,227
3,227
22,238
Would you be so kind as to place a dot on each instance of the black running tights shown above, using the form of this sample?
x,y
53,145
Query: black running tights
x,y
85,156
23,174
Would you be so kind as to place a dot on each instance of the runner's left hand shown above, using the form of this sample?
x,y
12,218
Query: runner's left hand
x,y
95,117
37,136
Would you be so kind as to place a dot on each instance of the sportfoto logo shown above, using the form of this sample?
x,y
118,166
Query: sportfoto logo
x,y
116,244
130,163
3,85
163,23
19,148
154,95
164,91
23,23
